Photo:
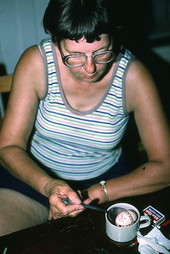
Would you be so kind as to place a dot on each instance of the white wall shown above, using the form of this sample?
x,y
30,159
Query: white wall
x,y
20,27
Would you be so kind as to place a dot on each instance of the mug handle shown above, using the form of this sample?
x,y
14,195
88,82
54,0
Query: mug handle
x,y
147,223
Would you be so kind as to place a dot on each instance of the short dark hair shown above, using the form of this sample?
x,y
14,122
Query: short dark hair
x,y
74,19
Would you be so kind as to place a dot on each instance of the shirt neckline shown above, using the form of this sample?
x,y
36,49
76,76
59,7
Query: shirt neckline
x,y
67,105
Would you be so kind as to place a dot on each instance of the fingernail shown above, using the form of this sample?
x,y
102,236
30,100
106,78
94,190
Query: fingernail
x,y
78,201
81,207
89,200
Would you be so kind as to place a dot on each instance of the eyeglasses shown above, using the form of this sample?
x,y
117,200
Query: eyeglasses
x,y
78,60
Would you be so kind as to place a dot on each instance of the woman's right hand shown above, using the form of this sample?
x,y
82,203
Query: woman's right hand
x,y
56,191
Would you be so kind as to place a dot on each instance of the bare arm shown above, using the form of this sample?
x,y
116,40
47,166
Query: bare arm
x,y
28,88
20,117
143,100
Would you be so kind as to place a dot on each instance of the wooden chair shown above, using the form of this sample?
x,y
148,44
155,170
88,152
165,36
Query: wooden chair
x,y
5,87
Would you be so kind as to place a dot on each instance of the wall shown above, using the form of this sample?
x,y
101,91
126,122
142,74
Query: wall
x,y
20,27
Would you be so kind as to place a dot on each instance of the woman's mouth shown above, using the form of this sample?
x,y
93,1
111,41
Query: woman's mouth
x,y
90,76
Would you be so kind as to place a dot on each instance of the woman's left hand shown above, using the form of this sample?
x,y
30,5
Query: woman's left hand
x,y
96,193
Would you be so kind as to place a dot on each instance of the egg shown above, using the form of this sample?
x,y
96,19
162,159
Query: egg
x,y
126,218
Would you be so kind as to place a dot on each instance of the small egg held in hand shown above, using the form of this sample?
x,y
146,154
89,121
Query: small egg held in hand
x,y
126,218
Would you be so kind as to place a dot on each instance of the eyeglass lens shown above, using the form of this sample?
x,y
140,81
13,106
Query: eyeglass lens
x,y
79,60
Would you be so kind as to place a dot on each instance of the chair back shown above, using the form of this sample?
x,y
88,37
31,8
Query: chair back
x,y
5,83
5,87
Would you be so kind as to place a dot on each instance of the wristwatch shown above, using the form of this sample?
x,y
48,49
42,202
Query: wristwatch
x,y
103,184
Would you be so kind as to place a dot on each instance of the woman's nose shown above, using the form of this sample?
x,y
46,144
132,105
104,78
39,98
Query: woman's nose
x,y
90,65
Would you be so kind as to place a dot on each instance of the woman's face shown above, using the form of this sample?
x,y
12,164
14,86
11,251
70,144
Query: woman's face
x,y
90,71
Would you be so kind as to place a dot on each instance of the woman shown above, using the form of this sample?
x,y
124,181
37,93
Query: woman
x,y
78,89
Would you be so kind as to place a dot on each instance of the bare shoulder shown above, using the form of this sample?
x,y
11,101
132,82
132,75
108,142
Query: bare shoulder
x,y
138,69
30,71
140,85
28,87
144,101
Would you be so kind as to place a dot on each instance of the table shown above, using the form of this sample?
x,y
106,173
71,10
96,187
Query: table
x,y
84,234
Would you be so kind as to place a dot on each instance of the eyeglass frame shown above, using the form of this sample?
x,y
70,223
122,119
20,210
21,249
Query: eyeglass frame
x,y
64,58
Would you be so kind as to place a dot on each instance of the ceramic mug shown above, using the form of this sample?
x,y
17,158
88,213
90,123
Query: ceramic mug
x,y
126,233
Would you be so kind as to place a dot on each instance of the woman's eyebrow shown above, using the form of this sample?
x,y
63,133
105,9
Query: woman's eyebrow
x,y
104,47
79,52
74,52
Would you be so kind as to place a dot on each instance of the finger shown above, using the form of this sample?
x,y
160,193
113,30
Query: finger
x,y
87,201
65,210
58,204
54,212
76,212
71,209
84,195
57,216
74,197
50,216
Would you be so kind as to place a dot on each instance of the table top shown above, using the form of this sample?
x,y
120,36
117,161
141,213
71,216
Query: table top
x,y
82,234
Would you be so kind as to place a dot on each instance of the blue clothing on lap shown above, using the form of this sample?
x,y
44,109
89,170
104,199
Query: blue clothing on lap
x,y
10,182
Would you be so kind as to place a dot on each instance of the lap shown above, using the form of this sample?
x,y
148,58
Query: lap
x,y
19,211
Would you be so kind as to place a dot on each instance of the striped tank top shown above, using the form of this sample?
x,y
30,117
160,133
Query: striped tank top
x,y
79,145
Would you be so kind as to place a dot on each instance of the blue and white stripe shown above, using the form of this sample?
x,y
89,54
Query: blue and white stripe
x,y
76,145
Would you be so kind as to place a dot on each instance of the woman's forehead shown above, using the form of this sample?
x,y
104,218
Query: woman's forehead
x,y
102,43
